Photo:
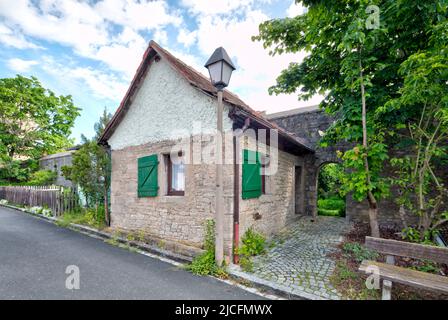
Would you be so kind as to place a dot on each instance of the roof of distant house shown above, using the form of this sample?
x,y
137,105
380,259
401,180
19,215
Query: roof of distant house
x,y
291,112
58,155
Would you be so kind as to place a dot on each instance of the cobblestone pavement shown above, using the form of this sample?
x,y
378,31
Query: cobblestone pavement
x,y
299,257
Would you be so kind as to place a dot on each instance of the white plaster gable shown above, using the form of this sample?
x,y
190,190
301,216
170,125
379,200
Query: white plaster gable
x,y
165,108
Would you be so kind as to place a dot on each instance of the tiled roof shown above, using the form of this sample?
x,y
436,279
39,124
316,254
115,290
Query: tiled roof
x,y
197,80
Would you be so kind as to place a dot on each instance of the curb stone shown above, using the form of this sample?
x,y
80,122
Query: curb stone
x,y
157,253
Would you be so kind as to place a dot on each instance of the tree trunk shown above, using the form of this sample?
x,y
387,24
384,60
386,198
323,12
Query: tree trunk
x,y
402,214
373,207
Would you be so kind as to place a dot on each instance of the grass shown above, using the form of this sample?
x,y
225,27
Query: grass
x,y
351,284
205,263
331,207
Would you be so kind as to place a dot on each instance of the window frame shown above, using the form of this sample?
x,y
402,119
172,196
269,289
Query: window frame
x,y
263,179
170,190
263,166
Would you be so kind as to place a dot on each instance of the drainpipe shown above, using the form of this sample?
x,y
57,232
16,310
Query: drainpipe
x,y
236,189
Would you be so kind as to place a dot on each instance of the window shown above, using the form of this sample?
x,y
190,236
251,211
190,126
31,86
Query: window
x,y
176,175
263,179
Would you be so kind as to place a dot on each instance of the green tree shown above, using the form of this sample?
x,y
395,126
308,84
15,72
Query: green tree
x,y
33,122
354,51
90,168
100,126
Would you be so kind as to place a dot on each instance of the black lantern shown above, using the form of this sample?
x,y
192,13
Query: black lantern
x,y
220,68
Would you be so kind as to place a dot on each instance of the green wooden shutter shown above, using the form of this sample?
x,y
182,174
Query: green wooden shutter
x,y
147,176
251,184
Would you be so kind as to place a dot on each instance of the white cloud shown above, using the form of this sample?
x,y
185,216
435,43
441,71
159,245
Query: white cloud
x,y
15,39
20,65
187,38
89,28
256,70
295,9
213,7
113,32
139,15
160,36
66,22
100,84
123,53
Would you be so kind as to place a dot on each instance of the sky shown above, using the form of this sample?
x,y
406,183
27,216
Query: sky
x,y
91,49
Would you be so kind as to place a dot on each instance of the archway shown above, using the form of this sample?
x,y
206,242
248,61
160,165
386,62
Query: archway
x,y
329,182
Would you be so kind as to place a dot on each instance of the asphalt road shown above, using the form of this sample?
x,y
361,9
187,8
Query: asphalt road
x,y
34,255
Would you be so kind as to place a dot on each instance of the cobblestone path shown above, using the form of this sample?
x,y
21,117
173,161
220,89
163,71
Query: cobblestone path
x,y
299,257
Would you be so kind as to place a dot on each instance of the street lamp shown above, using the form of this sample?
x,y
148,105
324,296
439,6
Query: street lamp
x,y
220,68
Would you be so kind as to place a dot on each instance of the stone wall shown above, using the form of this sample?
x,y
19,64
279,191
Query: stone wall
x,y
275,209
55,163
311,123
174,218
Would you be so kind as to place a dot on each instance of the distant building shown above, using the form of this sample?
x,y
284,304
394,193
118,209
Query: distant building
x,y
55,162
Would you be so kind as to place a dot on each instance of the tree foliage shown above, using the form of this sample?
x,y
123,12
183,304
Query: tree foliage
x,y
33,122
420,174
90,167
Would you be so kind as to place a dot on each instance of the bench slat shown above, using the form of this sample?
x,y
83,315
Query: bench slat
x,y
409,277
407,249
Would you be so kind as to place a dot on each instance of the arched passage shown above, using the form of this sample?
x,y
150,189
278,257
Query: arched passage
x,y
328,187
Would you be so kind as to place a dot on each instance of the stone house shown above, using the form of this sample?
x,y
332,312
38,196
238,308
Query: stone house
x,y
163,184
161,181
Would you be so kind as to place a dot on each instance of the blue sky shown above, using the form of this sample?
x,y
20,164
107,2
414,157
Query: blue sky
x,y
91,49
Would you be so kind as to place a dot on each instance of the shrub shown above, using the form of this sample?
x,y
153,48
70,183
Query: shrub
x,y
414,235
42,178
253,243
331,207
359,252
203,264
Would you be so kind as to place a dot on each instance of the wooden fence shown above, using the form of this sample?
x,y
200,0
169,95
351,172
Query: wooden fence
x,y
57,199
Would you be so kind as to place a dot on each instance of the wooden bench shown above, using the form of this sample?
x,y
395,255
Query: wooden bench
x,y
389,273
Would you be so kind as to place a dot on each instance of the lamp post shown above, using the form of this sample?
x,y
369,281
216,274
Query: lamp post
x,y
220,68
